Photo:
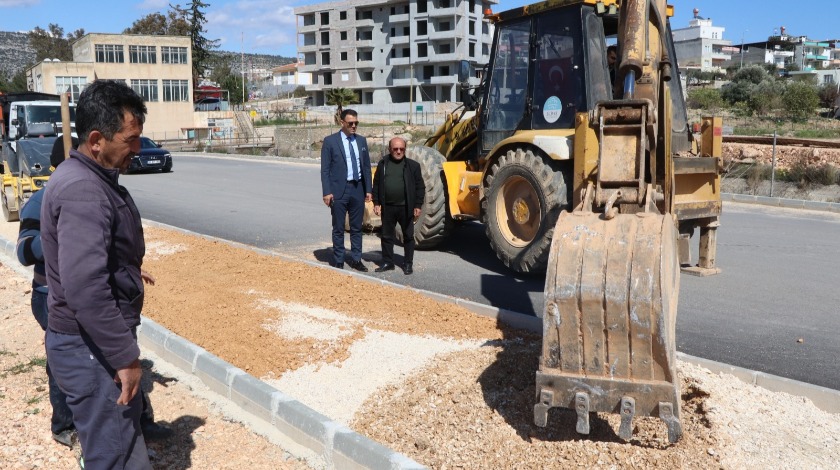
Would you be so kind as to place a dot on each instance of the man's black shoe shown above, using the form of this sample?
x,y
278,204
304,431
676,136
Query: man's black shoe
x,y
408,269
68,437
385,267
154,432
357,265
338,265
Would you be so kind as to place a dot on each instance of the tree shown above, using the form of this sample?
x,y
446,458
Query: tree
x,y
201,46
737,92
766,97
705,98
828,95
754,74
800,100
52,44
16,83
341,97
173,24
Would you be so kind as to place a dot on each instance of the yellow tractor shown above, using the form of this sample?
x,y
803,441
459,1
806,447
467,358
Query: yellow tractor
x,y
590,173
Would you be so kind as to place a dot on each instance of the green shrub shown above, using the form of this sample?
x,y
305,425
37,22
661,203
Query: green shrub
x,y
804,175
705,98
817,133
766,97
800,100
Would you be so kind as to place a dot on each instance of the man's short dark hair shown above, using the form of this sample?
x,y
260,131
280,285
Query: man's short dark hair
x,y
101,107
349,111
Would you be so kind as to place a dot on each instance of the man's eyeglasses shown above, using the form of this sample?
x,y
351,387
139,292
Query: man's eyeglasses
x,y
351,124
398,149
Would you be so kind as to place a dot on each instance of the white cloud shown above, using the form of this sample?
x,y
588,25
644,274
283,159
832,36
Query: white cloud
x,y
153,5
19,3
269,26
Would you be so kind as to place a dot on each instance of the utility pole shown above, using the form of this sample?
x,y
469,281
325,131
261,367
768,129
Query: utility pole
x,y
410,91
742,48
242,64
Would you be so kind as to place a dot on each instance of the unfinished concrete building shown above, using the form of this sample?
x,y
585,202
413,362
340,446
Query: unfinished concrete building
x,y
392,51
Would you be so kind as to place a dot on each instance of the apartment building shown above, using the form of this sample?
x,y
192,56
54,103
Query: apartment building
x,y
159,68
701,46
391,51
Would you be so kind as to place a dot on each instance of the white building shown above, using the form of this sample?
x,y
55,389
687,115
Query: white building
x,y
701,46
392,51
290,74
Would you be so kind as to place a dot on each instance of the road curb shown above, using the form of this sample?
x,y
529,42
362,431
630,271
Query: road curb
x,y
782,202
340,446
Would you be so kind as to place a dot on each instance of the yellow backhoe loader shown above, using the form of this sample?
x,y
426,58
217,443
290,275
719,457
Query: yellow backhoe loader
x,y
593,176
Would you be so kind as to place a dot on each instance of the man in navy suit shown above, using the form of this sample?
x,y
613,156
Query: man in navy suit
x,y
346,186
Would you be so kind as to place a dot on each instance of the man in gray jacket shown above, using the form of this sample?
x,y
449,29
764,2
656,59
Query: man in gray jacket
x,y
93,251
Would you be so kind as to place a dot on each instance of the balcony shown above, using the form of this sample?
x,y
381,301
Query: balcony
x,y
444,80
399,40
401,18
816,57
399,61
437,12
437,35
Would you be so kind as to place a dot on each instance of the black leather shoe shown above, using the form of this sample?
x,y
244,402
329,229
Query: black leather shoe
x,y
358,266
154,432
408,269
68,437
385,267
338,265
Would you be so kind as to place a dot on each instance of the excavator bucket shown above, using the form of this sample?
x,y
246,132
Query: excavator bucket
x,y
609,320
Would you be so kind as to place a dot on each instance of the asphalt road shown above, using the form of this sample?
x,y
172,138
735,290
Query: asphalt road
x,y
779,281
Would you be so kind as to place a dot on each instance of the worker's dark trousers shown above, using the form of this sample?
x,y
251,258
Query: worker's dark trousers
x,y
109,433
391,216
62,418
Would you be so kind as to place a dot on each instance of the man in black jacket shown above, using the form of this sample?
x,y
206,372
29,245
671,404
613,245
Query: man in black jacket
x,y
398,192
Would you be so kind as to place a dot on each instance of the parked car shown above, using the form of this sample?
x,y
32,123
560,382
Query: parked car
x,y
151,158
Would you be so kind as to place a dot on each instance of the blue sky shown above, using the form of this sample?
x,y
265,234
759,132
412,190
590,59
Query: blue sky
x,y
268,26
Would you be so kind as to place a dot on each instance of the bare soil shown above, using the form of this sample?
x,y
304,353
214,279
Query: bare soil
x,y
449,389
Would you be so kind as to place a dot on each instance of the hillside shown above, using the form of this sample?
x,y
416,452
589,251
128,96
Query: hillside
x,y
16,54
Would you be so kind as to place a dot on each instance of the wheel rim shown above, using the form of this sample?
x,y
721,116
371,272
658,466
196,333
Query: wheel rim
x,y
519,211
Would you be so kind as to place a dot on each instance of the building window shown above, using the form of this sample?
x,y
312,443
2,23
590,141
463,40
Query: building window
x,y
422,49
142,54
366,76
176,90
472,28
406,52
173,55
109,53
328,78
828,79
345,76
325,18
325,38
445,49
393,53
342,15
343,35
407,31
472,6
421,28
72,85
148,89
443,3
444,71
421,6
472,49
393,10
344,55
445,26
325,58
428,71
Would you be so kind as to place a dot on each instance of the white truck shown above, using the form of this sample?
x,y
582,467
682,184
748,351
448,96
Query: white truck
x,y
34,118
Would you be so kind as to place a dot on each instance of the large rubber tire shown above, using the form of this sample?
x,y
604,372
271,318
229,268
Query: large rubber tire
x,y
434,223
525,194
